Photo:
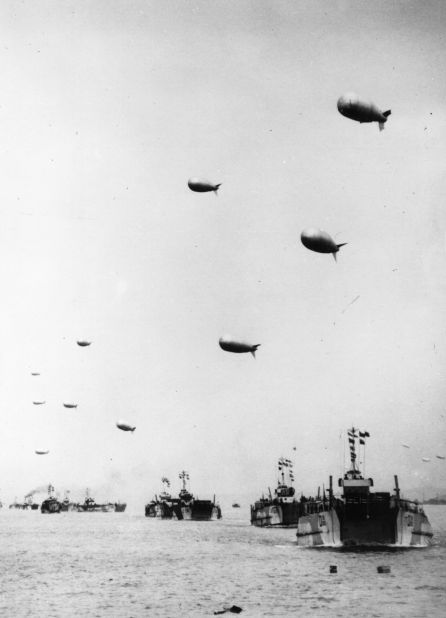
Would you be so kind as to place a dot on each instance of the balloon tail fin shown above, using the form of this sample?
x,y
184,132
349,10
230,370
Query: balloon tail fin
x,y
216,188
133,429
254,349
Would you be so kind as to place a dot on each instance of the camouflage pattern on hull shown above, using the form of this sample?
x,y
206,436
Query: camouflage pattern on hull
x,y
332,527
319,528
276,515
413,529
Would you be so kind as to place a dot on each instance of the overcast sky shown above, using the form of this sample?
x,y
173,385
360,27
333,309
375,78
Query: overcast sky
x,y
106,109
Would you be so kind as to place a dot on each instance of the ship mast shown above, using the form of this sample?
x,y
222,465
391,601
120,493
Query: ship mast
x,y
352,435
184,476
285,463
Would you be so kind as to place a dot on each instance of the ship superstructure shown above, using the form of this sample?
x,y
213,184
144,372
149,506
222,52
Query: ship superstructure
x,y
360,517
282,509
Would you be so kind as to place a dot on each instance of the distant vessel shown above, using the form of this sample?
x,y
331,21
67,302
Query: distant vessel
x,y
437,500
90,506
164,506
359,517
51,504
236,505
27,505
120,507
66,504
186,506
194,509
283,509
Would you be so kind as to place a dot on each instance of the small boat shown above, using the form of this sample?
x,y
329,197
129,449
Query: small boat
x,y
283,509
50,504
359,517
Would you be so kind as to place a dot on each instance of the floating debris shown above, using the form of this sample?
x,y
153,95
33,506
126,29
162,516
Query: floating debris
x,y
383,569
229,344
125,426
333,568
317,240
351,106
202,186
234,609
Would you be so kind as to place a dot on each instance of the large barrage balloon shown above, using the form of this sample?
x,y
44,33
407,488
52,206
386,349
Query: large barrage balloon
x,y
351,106
229,344
41,452
83,343
200,185
70,405
125,426
318,240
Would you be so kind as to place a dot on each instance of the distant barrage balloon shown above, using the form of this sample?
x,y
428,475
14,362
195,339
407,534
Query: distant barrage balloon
x,y
83,343
41,452
200,185
351,106
229,344
317,240
34,373
405,445
38,403
440,456
70,405
125,426
425,459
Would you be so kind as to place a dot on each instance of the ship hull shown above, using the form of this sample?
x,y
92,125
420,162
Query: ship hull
x,y
97,508
163,510
200,510
340,527
276,515
50,506
321,528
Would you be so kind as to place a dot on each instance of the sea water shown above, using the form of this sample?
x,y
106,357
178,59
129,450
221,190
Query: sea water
x,y
126,565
